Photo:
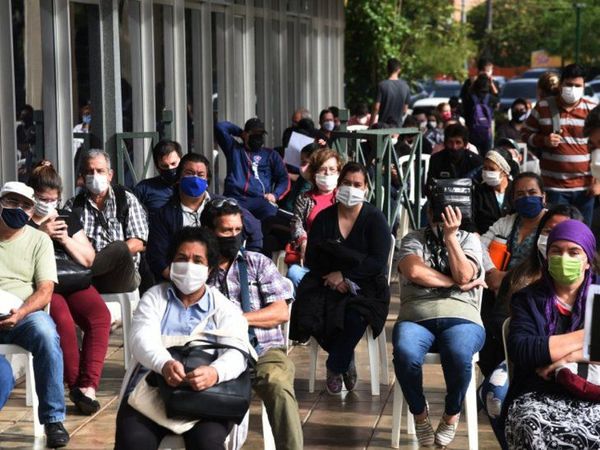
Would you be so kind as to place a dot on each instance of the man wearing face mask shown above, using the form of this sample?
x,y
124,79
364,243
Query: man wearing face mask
x,y
28,272
256,175
252,282
85,113
519,111
114,221
184,209
555,130
455,161
154,193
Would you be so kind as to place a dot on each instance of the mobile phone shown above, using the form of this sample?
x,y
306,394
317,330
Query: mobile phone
x,y
63,217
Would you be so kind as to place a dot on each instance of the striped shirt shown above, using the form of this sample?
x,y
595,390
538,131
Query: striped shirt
x,y
567,166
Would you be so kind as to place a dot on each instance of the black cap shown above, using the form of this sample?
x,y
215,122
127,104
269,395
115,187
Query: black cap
x,y
254,124
508,142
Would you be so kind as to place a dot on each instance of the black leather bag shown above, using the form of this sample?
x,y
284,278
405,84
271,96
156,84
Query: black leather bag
x,y
454,192
228,400
72,276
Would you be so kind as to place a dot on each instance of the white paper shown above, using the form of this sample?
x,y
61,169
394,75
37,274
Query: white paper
x,y
589,309
292,152
8,301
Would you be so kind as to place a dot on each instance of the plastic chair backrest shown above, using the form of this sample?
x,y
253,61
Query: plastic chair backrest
x,y
505,329
390,260
405,171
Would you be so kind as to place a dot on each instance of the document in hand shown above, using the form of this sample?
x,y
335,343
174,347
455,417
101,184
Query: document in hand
x,y
591,342
8,301
292,152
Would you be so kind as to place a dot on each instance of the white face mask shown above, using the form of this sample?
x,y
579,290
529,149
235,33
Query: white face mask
x,y
432,124
326,182
363,120
329,125
394,141
96,184
43,209
188,277
491,177
350,196
595,164
571,94
542,244
423,125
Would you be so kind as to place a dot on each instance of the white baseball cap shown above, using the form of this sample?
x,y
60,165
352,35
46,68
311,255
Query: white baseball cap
x,y
16,187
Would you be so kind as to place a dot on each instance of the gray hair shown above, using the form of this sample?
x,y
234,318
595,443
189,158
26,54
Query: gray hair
x,y
304,113
93,153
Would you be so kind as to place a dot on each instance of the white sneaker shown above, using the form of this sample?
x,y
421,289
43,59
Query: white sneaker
x,y
445,432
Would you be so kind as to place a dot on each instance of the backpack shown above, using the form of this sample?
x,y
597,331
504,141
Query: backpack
x,y
481,120
121,202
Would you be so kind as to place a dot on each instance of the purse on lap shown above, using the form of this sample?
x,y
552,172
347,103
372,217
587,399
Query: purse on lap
x,y
228,400
582,380
72,276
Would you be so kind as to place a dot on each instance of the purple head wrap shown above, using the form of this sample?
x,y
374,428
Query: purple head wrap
x,y
578,233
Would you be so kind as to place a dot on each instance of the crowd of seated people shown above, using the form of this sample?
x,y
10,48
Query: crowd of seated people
x,y
203,263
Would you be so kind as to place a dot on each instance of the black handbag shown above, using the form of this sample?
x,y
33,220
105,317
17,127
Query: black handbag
x,y
451,192
72,276
228,400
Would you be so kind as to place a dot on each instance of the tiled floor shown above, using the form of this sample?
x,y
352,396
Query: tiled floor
x,y
354,420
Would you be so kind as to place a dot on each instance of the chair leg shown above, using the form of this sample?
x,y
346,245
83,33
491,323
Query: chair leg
x,y
269,440
384,371
31,398
314,352
126,319
373,361
410,422
397,415
471,411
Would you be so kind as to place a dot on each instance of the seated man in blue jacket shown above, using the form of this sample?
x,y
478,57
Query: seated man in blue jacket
x,y
154,193
256,176
184,210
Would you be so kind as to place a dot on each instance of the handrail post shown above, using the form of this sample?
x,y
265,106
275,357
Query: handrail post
x,y
166,118
38,121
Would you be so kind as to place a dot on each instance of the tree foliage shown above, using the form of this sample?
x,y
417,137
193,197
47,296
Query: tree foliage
x,y
422,35
522,26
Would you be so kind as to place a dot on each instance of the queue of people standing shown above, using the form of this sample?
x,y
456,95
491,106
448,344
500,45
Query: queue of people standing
x,y
203,263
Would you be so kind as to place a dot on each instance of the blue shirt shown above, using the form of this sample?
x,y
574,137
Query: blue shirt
x,y
181,321
154,193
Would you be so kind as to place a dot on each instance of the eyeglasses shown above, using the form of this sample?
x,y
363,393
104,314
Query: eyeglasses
x,y
219,202
12,203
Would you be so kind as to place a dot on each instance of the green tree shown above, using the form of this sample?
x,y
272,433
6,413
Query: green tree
x,y
523,26
422,35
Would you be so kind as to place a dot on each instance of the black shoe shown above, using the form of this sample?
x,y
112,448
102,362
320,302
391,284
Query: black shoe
x,y
84,404
56,435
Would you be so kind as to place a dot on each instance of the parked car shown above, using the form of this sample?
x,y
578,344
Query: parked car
x,y
417,92
441,91
518,88
594,85
538,71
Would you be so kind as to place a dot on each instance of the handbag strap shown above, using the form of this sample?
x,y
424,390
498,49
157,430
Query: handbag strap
x,y
245,293
210,345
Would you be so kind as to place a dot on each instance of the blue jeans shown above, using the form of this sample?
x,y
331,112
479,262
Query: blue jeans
x,y
456,340
7,381
37,334
295,273
580,199
341,347
492,393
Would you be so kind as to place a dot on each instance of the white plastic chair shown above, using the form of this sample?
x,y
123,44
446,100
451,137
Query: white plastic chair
x,y
31,398
377,348
279,260
470,401
125,300
404,171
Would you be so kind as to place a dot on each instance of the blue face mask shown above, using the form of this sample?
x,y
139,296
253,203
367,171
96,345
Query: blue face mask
x,y
193,186
14,218
87,118
530,206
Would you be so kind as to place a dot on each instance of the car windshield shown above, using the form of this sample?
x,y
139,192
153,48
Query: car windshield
x,y
517,89
445,90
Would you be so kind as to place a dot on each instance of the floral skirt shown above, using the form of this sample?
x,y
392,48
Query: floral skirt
x,y
550,421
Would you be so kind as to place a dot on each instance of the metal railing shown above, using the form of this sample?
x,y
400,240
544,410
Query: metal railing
x,y
380,162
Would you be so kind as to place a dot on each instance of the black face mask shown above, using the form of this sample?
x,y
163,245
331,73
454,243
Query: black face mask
x,y
168,175
255,142
229,246
457,155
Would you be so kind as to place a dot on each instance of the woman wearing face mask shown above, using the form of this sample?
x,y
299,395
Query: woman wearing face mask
x,y
509,240
180,310
347,251
324,136
323,171
490,199
493,390
84,308
546,332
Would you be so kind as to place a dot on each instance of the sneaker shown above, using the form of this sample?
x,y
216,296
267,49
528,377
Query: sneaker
x,y
424,432
85,404
56,435
350,376
445,432
333,383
